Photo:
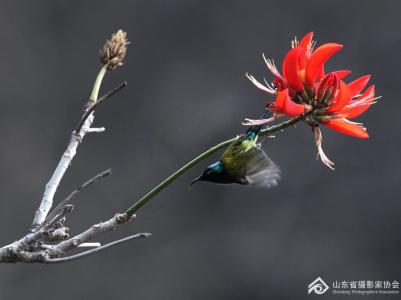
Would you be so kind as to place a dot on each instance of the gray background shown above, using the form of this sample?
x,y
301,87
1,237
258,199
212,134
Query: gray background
x,y
187,91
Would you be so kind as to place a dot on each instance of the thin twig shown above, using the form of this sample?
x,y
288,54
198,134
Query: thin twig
x,y
71,196
90,245
95,250
97,130
94,105
64,210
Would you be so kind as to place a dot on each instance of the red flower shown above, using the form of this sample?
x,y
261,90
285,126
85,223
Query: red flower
x,y
303,87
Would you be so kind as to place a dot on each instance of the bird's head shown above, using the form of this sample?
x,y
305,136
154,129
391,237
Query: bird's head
x,y
213,173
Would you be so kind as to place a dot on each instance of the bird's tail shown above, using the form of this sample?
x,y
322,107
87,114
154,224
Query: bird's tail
x,y
254,130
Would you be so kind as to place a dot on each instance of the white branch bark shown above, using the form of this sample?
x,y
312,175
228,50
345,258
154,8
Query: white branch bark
x,y
89,234
65,161
19,250
34,247
99,129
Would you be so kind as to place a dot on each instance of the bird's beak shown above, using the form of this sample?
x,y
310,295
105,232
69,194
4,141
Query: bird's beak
x,y
196,180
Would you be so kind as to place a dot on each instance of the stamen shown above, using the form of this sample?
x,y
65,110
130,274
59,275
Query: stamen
x,y
268,89
252,122
270,85
271,65
321,154
363,102
294,42
354,123
311,45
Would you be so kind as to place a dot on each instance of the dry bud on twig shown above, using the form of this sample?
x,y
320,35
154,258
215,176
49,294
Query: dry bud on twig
x,y
114,50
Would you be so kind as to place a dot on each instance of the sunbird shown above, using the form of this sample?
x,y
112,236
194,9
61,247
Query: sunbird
x,y
244,162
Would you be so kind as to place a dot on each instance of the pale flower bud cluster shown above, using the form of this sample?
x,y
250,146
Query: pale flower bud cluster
x,y
114,50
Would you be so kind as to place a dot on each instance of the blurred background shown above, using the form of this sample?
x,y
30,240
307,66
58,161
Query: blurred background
x,y
186,92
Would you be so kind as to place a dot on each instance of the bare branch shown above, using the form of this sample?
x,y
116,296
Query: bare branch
x,y
90,245
89,234
19,250
33,247
82,128
94,105
57,215
95,250
72,196
97,130
54,182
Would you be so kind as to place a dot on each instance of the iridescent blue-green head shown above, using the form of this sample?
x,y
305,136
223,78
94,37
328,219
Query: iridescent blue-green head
x,y
214,173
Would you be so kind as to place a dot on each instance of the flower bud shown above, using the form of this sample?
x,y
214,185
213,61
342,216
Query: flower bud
x,y
114,50
327,88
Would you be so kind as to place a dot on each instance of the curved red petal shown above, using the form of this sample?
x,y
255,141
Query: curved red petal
x,y
342,98
306,40
329,81
281,95
320,73
285,105
342,73
368,94
291,68
358,85
303,59
291,108
348,128
356,111
365,102
305,44
317,60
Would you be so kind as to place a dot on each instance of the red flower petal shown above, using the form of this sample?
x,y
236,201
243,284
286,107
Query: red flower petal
x,y
317,60
342,98
285,105
366,102
292,109
303,59
328,81
280,99
358,85
306,40
342,73
291,68
348,128
368,94
320,73
304,43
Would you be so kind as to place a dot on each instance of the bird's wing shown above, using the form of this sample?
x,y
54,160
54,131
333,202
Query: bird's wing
x,y
261,171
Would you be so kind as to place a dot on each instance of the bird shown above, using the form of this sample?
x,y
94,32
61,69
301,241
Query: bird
x,y
244,162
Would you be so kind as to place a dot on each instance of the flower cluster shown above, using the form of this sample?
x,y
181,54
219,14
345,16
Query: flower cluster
x,y
114,50
303,88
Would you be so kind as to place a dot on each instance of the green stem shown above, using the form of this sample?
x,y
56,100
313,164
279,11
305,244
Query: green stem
x,y
98,82
141,202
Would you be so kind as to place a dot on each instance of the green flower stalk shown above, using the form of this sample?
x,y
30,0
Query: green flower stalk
x,y
170,179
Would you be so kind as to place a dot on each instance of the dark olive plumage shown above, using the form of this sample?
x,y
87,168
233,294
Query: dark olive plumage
x,y
244,162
